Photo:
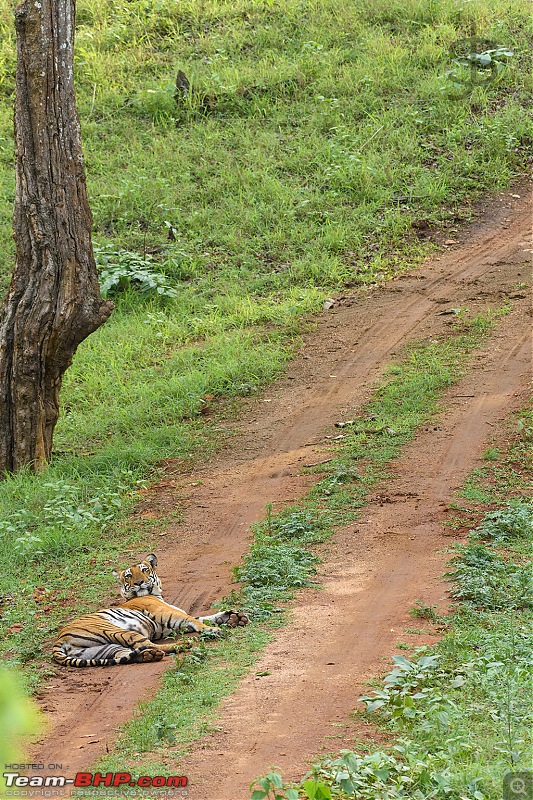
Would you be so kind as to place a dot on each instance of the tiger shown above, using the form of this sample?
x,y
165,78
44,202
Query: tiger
x,y
127,633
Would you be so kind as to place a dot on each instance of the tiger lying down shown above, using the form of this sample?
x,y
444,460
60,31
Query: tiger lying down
x,y
126,633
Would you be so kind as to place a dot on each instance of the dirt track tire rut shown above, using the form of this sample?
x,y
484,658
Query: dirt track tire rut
x,y
264,464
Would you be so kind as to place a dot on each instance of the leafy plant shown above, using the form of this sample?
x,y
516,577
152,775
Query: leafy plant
x,y
513,522
384,775
271,788
422,611
408,693
501,676
316,790
28,545
486,580
379,774
121,269
165,732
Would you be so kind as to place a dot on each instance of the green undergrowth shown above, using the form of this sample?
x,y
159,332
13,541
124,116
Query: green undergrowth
x,y
284,555
460,711
318,147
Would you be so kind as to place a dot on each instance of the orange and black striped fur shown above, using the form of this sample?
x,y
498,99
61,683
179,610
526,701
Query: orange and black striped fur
x,y
126,633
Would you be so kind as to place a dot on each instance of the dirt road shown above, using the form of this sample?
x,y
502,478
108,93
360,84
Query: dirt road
x,y
375,570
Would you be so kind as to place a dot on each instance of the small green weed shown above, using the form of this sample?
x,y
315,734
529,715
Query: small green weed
x,y
164,732
491,454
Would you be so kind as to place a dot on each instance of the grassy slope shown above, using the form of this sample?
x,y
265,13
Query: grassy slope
x,y
314,137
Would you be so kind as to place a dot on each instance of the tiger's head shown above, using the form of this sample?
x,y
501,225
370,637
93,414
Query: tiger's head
x,y
140,579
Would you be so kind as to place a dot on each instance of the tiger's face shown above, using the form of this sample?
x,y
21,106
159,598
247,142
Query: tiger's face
x,y
140,579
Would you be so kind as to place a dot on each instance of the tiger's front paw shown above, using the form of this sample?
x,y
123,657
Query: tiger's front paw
x,y
232,618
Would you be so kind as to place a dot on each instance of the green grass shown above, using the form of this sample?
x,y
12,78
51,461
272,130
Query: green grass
x,y
315,138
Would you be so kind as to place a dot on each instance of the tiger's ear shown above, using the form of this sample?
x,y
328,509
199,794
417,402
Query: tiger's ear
x,y
151,559
115,574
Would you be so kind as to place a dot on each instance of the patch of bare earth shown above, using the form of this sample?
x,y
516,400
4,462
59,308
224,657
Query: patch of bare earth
x,y
373,570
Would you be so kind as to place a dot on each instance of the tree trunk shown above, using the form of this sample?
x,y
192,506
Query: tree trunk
x,y
54,299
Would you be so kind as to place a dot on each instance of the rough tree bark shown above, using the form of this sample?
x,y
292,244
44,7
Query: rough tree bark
x,y
54,299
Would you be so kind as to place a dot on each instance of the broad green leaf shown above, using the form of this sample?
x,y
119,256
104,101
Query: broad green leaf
x,y
317,790
403,661
275,779
347,786
375,705
310,789
429,661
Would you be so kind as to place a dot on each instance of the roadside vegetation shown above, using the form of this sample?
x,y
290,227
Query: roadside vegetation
x,y
283,556
317,148
459,714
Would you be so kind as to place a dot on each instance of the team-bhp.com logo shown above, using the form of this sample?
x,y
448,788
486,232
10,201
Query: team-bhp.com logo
x,y
14,780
